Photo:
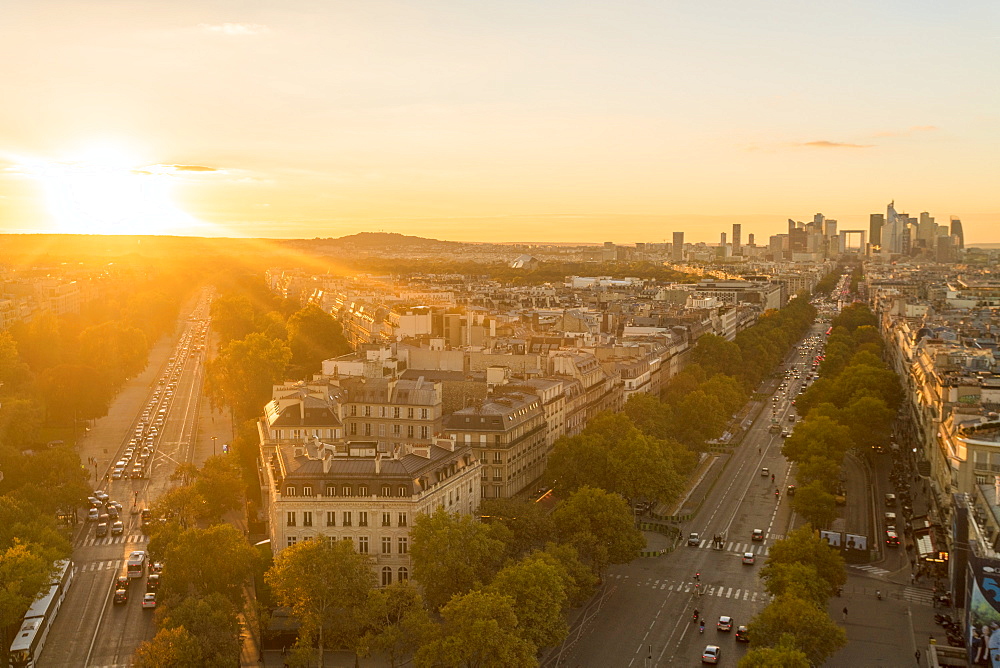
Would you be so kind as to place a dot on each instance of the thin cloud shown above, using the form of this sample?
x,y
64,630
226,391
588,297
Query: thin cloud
x,y
833,144
173,169
192,168
235,28
907,132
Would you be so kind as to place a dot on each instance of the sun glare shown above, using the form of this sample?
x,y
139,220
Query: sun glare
x,y
102,191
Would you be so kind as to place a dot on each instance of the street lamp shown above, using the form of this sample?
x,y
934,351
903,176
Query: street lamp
x,y
214,439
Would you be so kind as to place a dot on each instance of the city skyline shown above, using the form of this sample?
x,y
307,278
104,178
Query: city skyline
x,y
494,122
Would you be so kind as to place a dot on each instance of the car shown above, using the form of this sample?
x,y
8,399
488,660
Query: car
x,y
94,501
791,490
136,471
724,624
93,514
757,535
156,567
121,595
891,539
101,494
742,634
785,433
764,471
749,558
153,582
116,473
149,600
102,529
890,519
113,512
117,528
890,500
710,654
694,539
122,582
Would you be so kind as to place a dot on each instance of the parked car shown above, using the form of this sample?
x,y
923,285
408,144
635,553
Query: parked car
x,y
890,500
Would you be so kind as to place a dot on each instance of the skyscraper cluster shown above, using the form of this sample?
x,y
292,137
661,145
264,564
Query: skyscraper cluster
x,y
896,233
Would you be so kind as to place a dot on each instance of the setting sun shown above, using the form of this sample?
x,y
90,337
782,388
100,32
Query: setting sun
x,y
104,192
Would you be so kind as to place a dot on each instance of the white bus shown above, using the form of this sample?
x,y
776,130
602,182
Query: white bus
x,y
136,564
30,638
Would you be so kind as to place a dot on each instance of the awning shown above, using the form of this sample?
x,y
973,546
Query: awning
x,y
925,546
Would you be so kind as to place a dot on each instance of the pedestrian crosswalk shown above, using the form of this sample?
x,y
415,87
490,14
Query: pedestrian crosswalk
x,y
759,549
115,540
874,570
917,595
688,587
109,564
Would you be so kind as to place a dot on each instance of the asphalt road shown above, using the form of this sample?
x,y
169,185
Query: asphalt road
x,y
646,615
90,630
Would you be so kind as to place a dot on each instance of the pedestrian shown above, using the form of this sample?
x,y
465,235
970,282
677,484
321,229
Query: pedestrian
x,y
913,578
917,654
845,613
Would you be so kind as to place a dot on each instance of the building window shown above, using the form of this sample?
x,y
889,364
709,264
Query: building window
x,y
363,545
498,458
385,490
291,540
331,540
403,574
354,411
386,545
496,491
386,519
307,491
483,494
423,432
289,491
402,490
386,576
368,429
409,431
347,519
409,413
423,413
354,429
363,518
496,440
381,429
381,411
348,539
290,519
346,491
395,430
402,519
331,518
402,545
496,475
368,411
307,518
331,490
395,412
363,490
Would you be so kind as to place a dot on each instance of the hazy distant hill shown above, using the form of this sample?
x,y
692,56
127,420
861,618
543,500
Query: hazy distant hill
x,y
368,243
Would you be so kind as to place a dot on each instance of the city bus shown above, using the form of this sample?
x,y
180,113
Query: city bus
x,y
30,638
136,564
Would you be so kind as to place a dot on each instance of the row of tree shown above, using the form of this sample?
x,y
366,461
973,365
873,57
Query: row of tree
x,y
794,630
851,405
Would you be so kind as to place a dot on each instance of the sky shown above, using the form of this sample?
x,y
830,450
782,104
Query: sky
x,y
540,120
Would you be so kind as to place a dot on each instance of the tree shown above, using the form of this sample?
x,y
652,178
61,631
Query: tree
x,y
600,526
220,485
75,391
313,336
214,624
536,585
480,630
24,573
579,581
870,421
245,371
812,630
798,579
325,585
529,523
232,317
817,435
782,655
205,561
717,355
170,648
452,554
815,504
20,421
184,504
801,546
396,622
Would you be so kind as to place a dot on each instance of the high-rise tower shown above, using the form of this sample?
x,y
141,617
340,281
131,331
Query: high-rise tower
x,y
677,250
956,232
876,222
737,232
